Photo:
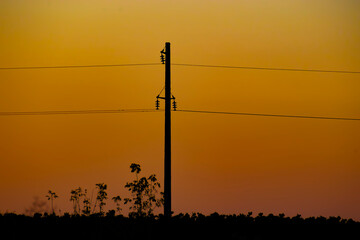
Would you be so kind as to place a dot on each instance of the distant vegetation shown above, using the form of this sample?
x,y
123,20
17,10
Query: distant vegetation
x,y
144,197
181,226
89,220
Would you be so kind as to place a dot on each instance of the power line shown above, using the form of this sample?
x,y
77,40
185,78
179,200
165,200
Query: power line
x,y
270,115
69,112
178,64
80,66
76,112
265,68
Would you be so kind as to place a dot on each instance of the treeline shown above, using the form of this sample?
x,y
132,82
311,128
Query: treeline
x,y
89,220
181,226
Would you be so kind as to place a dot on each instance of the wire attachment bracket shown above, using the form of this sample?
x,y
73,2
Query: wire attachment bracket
x,y
157,102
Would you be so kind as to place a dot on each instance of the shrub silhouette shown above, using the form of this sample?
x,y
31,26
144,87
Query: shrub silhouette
x,y
144,194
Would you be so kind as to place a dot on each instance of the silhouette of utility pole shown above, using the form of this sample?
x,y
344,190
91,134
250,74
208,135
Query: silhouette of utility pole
x,y
165,59
167,185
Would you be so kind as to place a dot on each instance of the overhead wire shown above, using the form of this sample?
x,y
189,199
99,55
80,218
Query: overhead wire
x,y
179,110
269,115
107,111
267,68
79,66
178,64
76,112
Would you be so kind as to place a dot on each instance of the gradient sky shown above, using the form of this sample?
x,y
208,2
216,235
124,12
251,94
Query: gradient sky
x,y
228,164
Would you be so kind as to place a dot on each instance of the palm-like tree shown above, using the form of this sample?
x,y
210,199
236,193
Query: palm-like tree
x,y
51,196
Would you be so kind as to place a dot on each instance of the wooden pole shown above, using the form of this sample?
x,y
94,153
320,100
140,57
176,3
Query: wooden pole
x,y
167,168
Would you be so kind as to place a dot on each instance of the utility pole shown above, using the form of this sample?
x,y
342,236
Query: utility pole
x,y
165,59
167,167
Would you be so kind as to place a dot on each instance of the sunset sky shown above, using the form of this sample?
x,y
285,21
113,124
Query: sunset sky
x,y
225,163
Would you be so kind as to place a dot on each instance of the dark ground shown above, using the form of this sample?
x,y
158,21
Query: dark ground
x,y
196,226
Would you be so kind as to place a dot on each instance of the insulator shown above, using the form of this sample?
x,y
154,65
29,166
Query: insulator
x,y
157,104
174,105
162,59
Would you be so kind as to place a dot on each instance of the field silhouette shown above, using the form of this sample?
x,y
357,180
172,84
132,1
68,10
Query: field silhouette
x,y
90,221
181,226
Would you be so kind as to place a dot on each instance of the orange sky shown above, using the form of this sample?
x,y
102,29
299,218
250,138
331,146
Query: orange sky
x,y
229,164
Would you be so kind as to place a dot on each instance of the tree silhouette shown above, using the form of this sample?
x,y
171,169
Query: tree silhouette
x,y
144,194
101,197
76,194
117,201
51,196
86,204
